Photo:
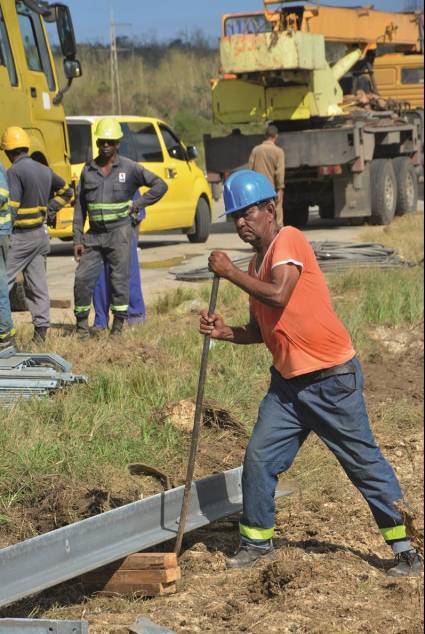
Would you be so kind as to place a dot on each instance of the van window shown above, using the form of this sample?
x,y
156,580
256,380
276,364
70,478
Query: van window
x,y
412,76
80,142
141,143
173,145
34,42
6,58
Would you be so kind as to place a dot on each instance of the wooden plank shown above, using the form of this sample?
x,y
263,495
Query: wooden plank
x,y
145,561
149,561
141,590
135,576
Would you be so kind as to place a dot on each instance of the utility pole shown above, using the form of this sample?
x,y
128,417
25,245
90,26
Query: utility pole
x,y
115,76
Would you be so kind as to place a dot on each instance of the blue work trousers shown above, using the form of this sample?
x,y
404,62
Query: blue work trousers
x,y
6,323
102,293
333,408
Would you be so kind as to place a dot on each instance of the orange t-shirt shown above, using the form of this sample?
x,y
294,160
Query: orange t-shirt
x,y
307,335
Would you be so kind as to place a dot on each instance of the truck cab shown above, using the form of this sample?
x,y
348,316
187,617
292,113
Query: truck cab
x,y
401,77
30,96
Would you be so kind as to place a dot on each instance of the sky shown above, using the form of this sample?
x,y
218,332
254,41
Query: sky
x,y
166,19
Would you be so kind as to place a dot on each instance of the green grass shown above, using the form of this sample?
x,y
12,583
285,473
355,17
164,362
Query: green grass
x,y
90,433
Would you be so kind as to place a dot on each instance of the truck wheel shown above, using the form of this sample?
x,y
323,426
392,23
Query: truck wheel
x,y
384,191
202,223
296,215
407,186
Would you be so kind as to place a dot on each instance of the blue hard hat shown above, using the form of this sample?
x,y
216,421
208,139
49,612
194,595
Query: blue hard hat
x,y
246,188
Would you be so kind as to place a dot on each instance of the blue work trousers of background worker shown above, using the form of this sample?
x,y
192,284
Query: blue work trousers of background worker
x,y
102,291
335,410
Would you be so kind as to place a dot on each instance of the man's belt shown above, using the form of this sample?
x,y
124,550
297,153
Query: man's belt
x,y
318,375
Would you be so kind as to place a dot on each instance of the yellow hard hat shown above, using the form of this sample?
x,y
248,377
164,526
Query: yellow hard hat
x,y
109,129
14,138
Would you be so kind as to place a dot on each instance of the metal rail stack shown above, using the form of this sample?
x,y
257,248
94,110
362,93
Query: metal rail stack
x,y
332,257
33,375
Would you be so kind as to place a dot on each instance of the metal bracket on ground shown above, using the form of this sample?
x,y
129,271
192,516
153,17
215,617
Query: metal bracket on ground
x,y
40,626
144,626
44,561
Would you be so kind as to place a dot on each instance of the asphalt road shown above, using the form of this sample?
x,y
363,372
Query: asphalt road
x,y
160,253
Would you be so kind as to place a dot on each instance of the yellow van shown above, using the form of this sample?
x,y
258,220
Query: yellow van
x,y
401,77
187,204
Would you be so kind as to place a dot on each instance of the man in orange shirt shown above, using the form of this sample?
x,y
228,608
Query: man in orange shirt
x,y
316,383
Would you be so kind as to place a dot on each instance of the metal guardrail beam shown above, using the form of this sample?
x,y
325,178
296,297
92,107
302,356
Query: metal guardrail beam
x,y
44,561
39,626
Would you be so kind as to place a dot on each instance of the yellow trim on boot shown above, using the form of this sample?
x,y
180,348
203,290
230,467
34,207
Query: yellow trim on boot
x,y
256,533
395,532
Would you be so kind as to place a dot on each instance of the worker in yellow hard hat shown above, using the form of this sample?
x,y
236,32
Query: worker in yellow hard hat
x,y
107,187
31,185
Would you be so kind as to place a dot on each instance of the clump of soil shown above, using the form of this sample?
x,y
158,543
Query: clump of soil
x,y
276,577
181,416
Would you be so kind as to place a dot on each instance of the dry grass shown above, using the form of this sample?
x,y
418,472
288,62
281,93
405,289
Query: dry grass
x,y
405,234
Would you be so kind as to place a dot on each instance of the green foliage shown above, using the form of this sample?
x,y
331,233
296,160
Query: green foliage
x,y
170,82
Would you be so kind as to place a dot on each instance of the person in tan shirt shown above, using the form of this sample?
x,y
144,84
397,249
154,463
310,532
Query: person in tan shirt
x,y
269,159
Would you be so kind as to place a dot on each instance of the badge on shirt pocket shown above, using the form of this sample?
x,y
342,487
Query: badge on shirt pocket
x,y
122,177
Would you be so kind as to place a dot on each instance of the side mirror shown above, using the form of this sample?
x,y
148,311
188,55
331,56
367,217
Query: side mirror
x,y
72,68
65,31
191,153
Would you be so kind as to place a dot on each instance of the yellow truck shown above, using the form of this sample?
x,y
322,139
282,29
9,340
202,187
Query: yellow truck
x,y
290,66
30,96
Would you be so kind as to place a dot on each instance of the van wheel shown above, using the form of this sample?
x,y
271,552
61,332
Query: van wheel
x,y
384,191
202,223
407,186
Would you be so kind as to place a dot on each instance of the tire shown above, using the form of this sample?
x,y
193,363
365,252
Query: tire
x,y
202,223
383,191
407,186
296,215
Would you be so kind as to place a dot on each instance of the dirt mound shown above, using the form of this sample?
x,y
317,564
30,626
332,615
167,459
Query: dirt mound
x,y
276,578
181,416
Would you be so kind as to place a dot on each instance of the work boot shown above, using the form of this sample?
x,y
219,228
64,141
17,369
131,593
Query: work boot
x,y
83,331
40,334
247,556
408,564
117,326
7,342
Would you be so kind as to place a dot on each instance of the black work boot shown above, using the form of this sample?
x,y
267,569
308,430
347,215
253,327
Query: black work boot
x,y
407,564
83,331
117,326
247,556
40,334
8,342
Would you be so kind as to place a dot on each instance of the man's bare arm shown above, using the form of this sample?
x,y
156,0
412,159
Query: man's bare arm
x,y
276,293
216,328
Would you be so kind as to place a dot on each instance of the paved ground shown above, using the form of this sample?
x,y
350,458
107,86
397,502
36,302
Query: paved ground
x,y
160,253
